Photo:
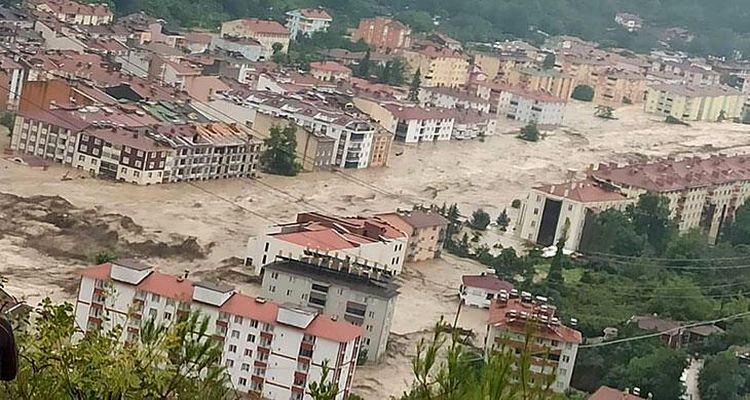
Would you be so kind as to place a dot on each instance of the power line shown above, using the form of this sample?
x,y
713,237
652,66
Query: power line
x,y
644,258
680,267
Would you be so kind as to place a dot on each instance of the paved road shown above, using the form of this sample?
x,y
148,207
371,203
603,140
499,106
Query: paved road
x,y
690,379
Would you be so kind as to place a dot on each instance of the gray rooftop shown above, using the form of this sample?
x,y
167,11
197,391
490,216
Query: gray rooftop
x,y
131,263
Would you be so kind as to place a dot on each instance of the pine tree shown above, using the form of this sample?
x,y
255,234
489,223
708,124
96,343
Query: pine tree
x,y
363,70
503,220
416,82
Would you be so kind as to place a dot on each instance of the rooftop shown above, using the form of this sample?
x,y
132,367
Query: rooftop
x,y
419,219
519,91
508,316
697,90
608,393
262,26
131,137
313,13
585,191
73,8
671,175
486,281
331,66
383,288
407,112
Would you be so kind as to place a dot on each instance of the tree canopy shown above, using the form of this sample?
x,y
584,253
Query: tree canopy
x,y
279,156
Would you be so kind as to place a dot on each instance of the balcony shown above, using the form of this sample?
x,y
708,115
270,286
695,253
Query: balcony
x,y
222,323
266,335
306,347
218,338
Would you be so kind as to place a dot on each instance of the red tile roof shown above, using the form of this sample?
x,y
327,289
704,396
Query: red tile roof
x,y
500,319
608,393
320,238
671,175
584,191
420,219
324,327
60,117
315,13
405,112
268,27
73,8
247,307
169,286
100,272
487,282
331,66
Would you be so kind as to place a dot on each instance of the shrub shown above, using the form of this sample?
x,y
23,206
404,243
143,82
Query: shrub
x,y
583,93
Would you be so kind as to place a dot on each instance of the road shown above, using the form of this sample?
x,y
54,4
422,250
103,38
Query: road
x,y
690,379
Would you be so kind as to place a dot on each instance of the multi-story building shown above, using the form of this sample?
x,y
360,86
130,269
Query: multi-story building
x,y
551,212
703,194
695,103
537,80
266,32
50,135
381,148
409,123
383,33
615,88
353,134
631,22
453,98
307,21
74,13
529,106
608,393
330,71
438,66
356,293
425,231
499,65
372,240
249,48
270,350
480,290
553,346
12,76
470,124
314,149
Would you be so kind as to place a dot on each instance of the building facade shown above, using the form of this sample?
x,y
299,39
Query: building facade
x,y
425,231
307,21
75,13
553,346
548,81
480,290
352,292
383,33
694,103
330,71
531,107
314,149
270,350
266,32
440,67
370,240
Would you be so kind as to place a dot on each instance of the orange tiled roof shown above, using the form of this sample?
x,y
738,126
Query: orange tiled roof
x,y
500,319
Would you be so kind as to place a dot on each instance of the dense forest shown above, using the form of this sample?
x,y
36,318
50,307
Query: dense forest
x,y
719,27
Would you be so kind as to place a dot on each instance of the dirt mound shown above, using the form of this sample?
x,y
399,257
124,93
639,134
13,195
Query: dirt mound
x,y
55,227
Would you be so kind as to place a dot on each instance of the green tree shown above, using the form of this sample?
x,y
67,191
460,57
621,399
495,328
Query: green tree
x,y
604,112
278,55
279,155
529,133
549,61
480,219
363,69
160,362
657,373
723,378
324,388
738,230
583,93
651,218
503,220
611,231
689,305
555,275
416,82
104,257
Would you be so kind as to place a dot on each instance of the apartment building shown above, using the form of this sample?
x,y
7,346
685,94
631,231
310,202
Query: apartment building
x,y
368,239
247,47
330,71
269,350
537,80
266,32
352,292
74,13
694,103
314,149
307,21
438,66
425,231
615,88
13,77
383,33
353,134
444,97
553,346
631,22
703,194
497,66
480,290
409,123
470,124
529,106
205,151
381,148
50,135
551,212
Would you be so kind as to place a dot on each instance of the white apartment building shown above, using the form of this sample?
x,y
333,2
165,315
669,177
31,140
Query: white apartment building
x,y
445,97
553,211
413,124
271,350
307,21
368,241
353,135
480,290
553,345
531,107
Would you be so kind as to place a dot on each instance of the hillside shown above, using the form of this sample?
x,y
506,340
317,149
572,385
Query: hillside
x,y
717,30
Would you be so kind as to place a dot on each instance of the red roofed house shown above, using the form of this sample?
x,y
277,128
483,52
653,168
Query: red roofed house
x,y
330,71
383,33
608,393
480,290
551,211
266,32
368,239
307,21
553,345
75,13
270,350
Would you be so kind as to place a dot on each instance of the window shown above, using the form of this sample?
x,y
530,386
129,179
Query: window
x,y
123,170
168,316
536,211
253,323
565,359
266,248
369,328
272,289
232,348
243,382
250,336
289,292
235,334
248,352
274,275
155,297
81,157
229,363
238,320
170,302
136,174
371,314
152,313
563,371
245,367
